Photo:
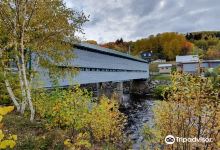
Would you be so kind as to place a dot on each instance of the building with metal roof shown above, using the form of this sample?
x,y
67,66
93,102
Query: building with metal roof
x,y
165,68
192,64
187,59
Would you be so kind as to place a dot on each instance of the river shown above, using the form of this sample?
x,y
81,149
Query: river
x,y
138,112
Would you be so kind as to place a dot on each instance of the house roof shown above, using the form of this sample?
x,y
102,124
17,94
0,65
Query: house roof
x,y
187,59
99,49
164,65
211,61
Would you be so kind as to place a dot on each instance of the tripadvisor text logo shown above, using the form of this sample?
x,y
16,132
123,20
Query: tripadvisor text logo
x,y
170,139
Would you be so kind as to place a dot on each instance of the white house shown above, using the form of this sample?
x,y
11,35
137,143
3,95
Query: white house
x,y
192,64
165,68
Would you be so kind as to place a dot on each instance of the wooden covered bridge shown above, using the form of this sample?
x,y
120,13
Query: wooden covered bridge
x,y
98,65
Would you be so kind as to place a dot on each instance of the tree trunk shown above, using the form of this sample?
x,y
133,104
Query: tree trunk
x,y
27,89
11,94
23,66
23,106
24,98
10,91
26,83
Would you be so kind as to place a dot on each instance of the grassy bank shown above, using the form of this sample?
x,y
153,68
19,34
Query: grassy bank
x,y
166,77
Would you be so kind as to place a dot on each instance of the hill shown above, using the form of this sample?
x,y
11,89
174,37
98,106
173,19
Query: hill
x,y
169,44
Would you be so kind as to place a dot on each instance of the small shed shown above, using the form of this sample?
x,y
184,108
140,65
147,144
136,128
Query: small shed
x,y
165,68
187,63
191,64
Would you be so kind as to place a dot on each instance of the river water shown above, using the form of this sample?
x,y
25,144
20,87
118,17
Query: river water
x,y
138,112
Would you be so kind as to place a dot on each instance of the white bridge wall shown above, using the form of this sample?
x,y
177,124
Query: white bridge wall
x,y
98,60
129,69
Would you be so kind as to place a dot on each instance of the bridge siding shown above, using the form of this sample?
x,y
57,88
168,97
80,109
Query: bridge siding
x,y
89,59
99,49
97,60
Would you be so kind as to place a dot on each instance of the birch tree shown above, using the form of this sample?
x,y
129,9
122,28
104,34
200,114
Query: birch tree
x,y
45,28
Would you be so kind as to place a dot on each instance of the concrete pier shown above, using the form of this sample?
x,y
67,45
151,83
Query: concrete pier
x,y
120,91
99,89
138,87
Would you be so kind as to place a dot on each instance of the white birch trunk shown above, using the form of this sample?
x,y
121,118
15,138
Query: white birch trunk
x,y
23,67
26,83
11,94
9,89
24,98
23,93
28,91
23,106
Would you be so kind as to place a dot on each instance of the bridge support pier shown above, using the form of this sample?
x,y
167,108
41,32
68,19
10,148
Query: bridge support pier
x,y
138,87
120,91
109,88
99,89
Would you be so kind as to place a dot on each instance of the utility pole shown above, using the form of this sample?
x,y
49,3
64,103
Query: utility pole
x,y
129,49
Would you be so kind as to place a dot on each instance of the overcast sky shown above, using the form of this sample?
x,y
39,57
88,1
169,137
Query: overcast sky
x,y
135,19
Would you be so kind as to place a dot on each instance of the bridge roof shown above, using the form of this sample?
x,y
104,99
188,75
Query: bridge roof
x,y
99,49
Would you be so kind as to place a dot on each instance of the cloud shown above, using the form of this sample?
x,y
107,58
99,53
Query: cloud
x,y
133,19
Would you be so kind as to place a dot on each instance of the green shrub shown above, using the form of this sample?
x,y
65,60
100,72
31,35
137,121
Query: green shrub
x,y
4,97
173,69
210,74
31,142
27,143
214,75
158,91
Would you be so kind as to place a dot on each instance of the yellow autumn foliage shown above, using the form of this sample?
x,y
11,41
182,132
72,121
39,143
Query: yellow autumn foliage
x,y
67,143
10,141
81,142
191,109
106,121
5,110
89,120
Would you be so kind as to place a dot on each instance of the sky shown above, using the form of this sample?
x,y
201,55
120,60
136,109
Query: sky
x,y
136,19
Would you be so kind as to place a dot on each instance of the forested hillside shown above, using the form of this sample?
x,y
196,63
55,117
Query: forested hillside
x,y
203,34
168,45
